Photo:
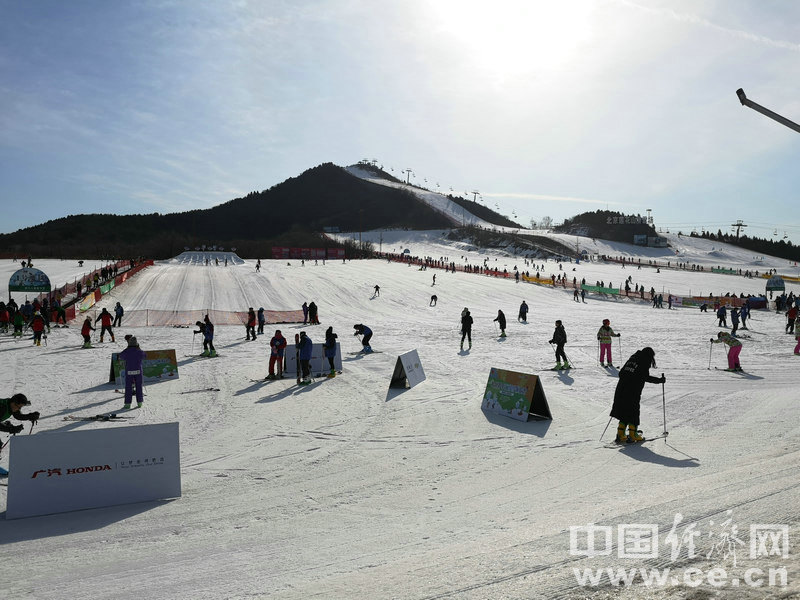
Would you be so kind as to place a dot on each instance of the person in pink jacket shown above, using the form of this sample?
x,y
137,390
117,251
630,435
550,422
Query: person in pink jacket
x,y
734,348
604,335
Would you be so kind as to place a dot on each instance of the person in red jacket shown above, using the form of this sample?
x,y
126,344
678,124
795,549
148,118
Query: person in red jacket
x,y
86,332
37,324
277,347
250,326
105,319
791,316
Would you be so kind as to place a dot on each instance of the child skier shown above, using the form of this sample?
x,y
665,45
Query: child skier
x,y
734,348
86,332
604,335
501,321
277,347
38,325
250,325
559,339
330,349
206,328
362,329
628,394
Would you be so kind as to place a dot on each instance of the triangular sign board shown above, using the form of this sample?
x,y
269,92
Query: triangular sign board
x,y
516,395
408,371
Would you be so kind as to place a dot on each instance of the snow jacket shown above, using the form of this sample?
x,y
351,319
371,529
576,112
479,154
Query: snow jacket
x,y
330,343
207,329
261,318
466,323
87,327
133,357
277,345
104,318
501,319
5,413
362,330
118,310
251,319
726,338
306,346
722,312
605,333
559,335
628,394
523,309
37,324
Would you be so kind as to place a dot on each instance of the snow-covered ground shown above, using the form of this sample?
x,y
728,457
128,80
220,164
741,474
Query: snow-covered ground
x,y
344,489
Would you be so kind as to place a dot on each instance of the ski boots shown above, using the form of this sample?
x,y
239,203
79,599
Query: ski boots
x,y
634,435
139,405
212,354
332,374
566,366
271,376
204,353
126,407
621,437
558,367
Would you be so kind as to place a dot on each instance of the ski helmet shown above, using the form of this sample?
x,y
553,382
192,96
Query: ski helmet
x,y
606,322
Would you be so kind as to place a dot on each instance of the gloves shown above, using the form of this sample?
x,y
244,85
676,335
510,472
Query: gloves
x,y
356,333
663,379
14,429
711,340
34,416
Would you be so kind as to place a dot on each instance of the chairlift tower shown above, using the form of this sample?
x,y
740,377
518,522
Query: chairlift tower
x,y
739,224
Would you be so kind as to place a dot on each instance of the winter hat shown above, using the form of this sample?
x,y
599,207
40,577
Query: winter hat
x,y
277,332
21,399
558,322
606,322
721,334
132,342
302,334
198,323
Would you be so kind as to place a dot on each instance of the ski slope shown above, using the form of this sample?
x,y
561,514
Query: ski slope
x,y
344,489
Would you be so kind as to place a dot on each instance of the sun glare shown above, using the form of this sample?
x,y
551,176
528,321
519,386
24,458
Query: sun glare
x,y
511,37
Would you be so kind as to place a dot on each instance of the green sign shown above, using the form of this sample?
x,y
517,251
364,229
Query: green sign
x,y
29,280
515,395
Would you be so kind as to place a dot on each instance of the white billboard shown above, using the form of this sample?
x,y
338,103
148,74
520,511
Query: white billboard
x,y
66,471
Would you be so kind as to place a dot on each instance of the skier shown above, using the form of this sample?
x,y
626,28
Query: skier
x,y
501,321
206,328
745,314
559,339
434,279
277,346
11,407
330,349
313,318
604,335
628,393
118,312
377,291
434,299
261,320
105,323
19,321
797,337
367,333
133,357
38,325
305,313
250,326
734,348
86,332
734,321
722,313
523,312
466,328
305,347
791,316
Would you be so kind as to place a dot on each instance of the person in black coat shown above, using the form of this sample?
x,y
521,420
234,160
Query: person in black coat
x,y
466,327
628,394
559,339
501,321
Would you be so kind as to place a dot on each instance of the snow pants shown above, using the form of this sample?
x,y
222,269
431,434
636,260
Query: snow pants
x,y
275,359
733,357
133,378
605,349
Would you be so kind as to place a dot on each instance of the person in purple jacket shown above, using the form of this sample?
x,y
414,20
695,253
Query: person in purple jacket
x,y
133,357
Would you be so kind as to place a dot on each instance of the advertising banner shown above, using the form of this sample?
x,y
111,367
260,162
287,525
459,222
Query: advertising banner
x,y
515,395
318,363
29,280
65,471
157,364
408,371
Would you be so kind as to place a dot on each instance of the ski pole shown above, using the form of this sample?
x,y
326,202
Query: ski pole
x,y
606,429
710,349
600,357
664,405
194,335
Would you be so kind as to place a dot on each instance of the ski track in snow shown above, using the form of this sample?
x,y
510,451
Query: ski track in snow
x,y
345,490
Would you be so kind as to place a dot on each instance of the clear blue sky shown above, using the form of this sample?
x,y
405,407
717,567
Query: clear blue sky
x,y
546,108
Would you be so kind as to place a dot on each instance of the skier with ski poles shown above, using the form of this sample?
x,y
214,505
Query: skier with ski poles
x,y
86,332
604,335
559,339
11,407
734,348
207,329
628,394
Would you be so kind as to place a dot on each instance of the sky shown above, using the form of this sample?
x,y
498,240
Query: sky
x,y
544,109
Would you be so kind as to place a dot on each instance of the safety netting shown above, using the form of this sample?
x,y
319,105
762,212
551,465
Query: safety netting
x,y
177,318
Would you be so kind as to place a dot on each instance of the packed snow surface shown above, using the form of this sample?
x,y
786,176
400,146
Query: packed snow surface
x,y
346,489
